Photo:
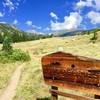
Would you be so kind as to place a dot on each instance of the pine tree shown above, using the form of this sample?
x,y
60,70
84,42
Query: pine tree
x,y
7,44
94,38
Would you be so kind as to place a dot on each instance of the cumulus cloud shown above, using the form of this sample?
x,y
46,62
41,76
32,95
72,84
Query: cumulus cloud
x,y
53,15
97,4
94,17
82,3
72,21
89,3
1,14
15,22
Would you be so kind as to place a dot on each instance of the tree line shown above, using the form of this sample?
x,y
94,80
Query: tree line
x,y
22,36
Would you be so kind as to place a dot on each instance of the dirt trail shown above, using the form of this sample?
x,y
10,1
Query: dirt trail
x,y
10,90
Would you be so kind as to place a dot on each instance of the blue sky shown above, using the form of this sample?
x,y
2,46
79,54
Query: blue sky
x,y
51,15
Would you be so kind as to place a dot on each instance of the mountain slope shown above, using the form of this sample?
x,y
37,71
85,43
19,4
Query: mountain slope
x,y
9,29
67,33
75,32
16,34
90,31
12,31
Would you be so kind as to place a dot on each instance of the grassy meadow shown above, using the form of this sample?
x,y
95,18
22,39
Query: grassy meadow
x,y
31,85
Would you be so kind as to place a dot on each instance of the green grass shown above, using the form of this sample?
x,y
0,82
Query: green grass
x,y
31,85
13,56
6,71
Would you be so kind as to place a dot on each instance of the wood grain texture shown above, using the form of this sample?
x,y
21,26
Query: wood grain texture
x,y
73,72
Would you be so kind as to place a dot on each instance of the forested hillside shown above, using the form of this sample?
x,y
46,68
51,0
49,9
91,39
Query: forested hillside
x,y
18,35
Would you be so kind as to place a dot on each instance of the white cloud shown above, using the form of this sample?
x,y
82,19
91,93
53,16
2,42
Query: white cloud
x,y
29,23
81,4
72,21
97,4
53,15
36,27
3,22
31,31
94,17
10,4
89,3
1,14
15,22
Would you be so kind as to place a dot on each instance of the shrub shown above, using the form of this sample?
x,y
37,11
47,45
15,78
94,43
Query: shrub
x,y
94,38
7,44
9,55
19,55
15,55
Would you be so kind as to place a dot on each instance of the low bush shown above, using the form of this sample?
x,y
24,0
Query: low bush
x,y
15,55
19,55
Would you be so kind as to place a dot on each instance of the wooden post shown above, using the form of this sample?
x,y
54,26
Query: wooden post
x,y
54,96
97,96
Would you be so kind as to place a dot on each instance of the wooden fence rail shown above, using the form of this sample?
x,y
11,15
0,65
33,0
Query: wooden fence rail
x,y
54,95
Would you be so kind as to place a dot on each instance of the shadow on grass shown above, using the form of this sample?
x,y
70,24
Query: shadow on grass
x,y
45,98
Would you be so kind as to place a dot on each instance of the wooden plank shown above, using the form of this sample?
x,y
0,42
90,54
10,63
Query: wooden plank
x,y
64,68
76,97
82,88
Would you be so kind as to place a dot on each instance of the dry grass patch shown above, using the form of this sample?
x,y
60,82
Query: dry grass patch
x,y
6,71
31,85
